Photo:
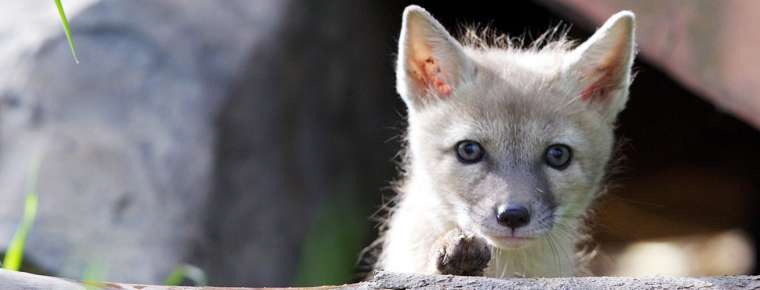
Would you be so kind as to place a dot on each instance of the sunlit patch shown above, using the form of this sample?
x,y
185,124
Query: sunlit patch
x,y
722,253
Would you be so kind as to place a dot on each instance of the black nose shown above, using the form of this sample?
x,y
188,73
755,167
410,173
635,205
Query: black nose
x,y
513,216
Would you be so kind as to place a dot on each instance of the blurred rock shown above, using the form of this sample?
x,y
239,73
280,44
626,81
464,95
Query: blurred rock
x,y
191,131
306,124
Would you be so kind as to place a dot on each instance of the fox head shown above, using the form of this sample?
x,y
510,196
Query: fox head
x,y
511,143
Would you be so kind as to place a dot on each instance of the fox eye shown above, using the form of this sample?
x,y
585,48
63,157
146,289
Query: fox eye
x,y
469,151
558,156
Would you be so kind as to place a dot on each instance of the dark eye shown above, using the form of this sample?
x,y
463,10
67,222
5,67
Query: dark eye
x,y
469,151
558,156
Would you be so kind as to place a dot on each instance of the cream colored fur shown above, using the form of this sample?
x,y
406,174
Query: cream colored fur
x,y
515,102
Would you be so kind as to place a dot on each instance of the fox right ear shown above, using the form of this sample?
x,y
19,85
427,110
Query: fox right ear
x,y
431,63
603,64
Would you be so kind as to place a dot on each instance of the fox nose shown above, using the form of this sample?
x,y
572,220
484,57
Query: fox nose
x,y
513,216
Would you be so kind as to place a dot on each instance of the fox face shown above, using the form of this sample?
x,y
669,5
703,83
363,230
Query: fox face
x,y
511,144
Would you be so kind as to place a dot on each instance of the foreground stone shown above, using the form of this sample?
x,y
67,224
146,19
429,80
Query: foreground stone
x,y
384,280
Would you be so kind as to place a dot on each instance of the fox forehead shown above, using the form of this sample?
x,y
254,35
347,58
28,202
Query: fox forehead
x,y
509,126
499,101
533,81
514,62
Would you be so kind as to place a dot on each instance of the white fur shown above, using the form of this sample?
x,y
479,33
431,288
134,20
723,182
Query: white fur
x,y
515,102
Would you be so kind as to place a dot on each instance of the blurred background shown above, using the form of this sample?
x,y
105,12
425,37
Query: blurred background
x,y
254,140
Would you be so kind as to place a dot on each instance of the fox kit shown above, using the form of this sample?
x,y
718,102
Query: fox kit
x,y
507,148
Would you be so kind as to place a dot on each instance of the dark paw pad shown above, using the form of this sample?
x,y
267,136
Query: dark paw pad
x,y
463,254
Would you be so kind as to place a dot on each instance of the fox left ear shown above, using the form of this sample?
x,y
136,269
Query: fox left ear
x,y
602,65
431,63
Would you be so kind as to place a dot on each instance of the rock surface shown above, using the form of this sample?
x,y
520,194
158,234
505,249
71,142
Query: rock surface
x,y
383,280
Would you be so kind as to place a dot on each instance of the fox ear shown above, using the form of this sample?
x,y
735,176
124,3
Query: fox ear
x,y
602,64
431,63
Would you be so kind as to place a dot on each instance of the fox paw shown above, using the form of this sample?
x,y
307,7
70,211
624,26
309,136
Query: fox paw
x,y
463,254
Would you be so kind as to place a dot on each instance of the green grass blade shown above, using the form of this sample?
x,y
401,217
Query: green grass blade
x,y
15,253
67,29
194,274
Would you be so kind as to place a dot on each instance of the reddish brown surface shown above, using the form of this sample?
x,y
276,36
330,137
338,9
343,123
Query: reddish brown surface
x,y
710,46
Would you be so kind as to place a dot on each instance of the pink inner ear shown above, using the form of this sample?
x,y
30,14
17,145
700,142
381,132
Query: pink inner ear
x,y
606,74
429,74
607,79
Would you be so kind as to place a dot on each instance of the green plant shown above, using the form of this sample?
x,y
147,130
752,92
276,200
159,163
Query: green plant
x,y
67,30
15,253
329,253
189,272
